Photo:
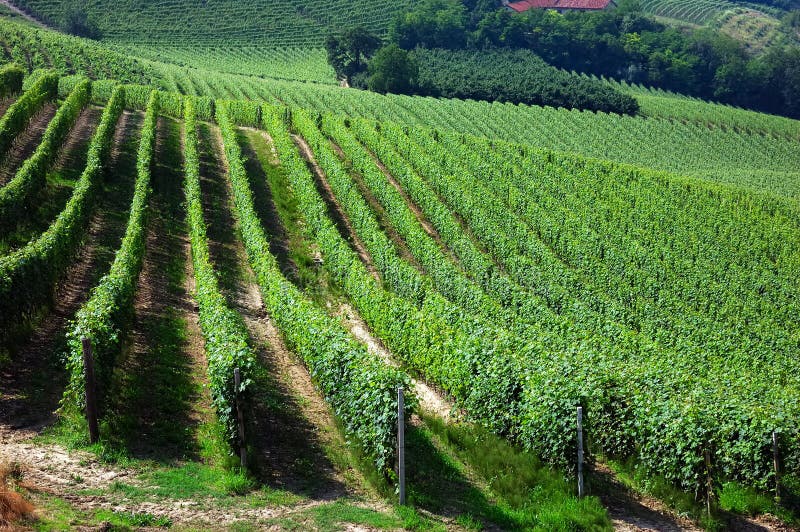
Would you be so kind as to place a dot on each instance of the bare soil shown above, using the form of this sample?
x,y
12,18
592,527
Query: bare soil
x,y
26,142
5,103
32,384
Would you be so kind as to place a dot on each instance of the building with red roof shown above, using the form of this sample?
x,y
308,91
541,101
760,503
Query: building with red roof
x,y
561,5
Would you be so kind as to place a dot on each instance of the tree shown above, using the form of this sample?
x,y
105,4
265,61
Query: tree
x,y
349,51
392,69
77,22
431,24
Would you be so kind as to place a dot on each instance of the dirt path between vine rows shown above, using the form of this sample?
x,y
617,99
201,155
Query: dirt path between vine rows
x,y
5,103
26,142
33,382
157,398
289,421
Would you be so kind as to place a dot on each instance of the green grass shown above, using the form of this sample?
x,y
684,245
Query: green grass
x,y
536,494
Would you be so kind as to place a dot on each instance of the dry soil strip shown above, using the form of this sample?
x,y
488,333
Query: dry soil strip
x,y
26,142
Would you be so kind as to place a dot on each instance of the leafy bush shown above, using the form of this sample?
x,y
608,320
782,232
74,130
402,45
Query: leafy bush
x,y
11,76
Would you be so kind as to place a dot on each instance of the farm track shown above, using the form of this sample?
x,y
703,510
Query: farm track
x,y
33,383
156,398
289,422
26,142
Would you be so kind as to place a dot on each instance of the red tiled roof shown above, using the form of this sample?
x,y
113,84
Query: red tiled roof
x,y
524,5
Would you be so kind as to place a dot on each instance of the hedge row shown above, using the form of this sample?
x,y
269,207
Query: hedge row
x,y
360,387
16,196
225,334
17,116
103,318
11,76
28,275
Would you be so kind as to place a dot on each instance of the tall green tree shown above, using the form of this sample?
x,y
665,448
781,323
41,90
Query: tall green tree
x,y
392,70
349,51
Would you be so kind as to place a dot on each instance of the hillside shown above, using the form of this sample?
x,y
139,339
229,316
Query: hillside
x,y
221,22
264,263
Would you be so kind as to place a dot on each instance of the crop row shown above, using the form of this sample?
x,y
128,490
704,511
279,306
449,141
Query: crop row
x,y
104,317
28,275
225,334
22,110
690,372
360,387
17,194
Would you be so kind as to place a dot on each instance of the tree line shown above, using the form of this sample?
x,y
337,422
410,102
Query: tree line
x,y
620,43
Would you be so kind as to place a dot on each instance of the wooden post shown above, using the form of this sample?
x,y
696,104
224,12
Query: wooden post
x,y
776,464
237,381
709,482
91,392
401,444
580,452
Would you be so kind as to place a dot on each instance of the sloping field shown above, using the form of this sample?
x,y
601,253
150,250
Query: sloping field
x,y
223,22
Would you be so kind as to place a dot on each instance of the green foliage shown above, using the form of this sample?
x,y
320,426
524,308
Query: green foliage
x,y
361,389
469,358
392,70
10,80
431,24
22,110
691,340
226,338
516,76
286,63
243,113
349,50
28,275
105,316
16,195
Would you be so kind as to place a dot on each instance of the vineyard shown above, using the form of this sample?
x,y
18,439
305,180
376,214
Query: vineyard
x,y
270,276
